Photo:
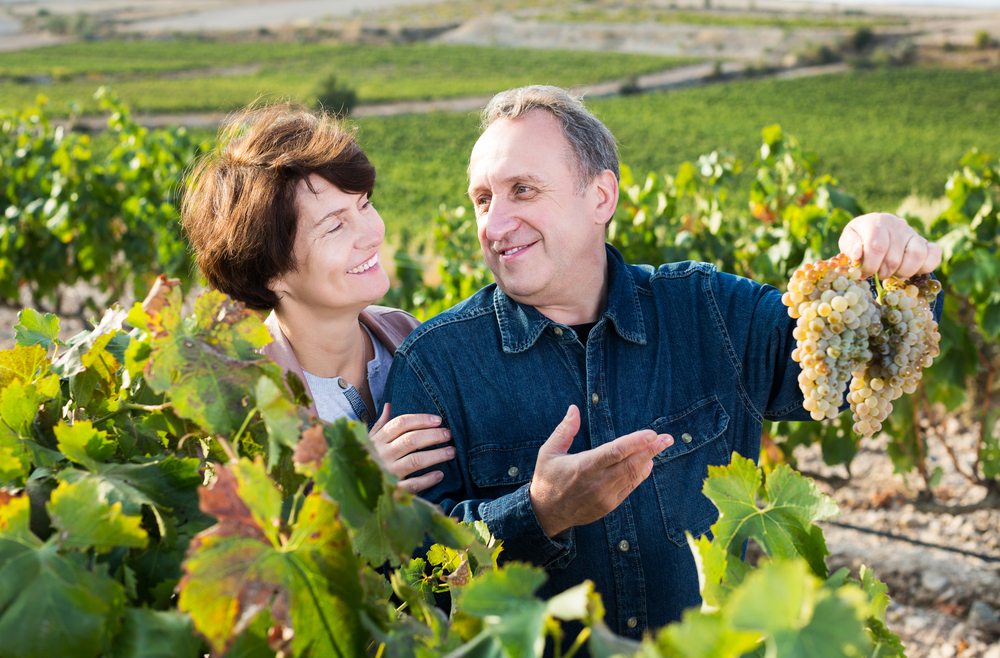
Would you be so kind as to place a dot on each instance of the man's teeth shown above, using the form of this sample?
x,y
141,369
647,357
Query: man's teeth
x,y
364,266
514,250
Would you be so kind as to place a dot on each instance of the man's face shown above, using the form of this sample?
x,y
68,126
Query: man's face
x,y
537,234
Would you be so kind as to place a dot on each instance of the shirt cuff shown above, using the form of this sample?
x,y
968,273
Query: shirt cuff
x,y
512,520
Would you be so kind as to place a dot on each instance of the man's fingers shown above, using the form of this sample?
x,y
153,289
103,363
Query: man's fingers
x,y
561,439
637,466
421,482
643,442
914,256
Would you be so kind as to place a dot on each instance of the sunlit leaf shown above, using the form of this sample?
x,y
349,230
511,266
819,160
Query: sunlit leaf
x,y
33,328
84,518
784,525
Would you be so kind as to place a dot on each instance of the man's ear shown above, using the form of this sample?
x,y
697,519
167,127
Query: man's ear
x,y
605,190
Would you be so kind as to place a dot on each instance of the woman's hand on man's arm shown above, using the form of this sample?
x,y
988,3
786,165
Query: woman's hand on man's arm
x,y
401,444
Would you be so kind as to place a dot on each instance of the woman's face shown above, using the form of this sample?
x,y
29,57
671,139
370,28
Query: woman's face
x,y
336,249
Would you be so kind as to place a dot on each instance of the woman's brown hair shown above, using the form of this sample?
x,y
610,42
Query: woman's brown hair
x,y
239,210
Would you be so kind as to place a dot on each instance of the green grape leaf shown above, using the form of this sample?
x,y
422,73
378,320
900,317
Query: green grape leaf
x,y
800,618
718,575
389,522
15,458
504,600
169,484
83,444
885,643
207,363
39,584
156,634
26,364
784,526
877,592
19,403
33,328
336,457
309,580
84,519
281,418
71,361
700,635
98,377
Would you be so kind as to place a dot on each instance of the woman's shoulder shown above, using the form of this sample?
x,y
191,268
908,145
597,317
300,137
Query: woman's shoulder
x,y
391,325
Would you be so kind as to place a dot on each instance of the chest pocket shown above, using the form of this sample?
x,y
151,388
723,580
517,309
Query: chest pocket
x,y
503,469
680,471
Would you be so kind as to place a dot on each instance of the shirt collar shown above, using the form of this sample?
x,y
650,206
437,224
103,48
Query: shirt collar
x,y
521,325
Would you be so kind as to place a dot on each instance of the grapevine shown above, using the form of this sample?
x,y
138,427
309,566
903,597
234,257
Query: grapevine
x,y
843,332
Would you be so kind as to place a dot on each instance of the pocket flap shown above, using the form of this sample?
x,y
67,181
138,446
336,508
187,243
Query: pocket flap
x,y
691,428
497,465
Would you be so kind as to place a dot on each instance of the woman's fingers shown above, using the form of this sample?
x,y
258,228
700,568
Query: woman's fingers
x,y
417,461
421,482
412,442
397,427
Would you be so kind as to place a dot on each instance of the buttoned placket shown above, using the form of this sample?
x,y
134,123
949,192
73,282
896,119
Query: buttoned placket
x,y
619,524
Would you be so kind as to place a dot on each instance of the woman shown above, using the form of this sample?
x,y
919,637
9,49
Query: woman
x,y
281,218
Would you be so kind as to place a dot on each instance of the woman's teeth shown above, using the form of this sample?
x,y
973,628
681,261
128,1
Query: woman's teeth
x,y
364,266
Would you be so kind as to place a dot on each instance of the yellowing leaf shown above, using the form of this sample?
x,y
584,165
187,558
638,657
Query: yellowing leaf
x,y
83,444
24,363
236,569
84,519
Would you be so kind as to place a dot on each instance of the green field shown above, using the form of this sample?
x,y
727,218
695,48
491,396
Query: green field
x,y
883,134
188,75
618,14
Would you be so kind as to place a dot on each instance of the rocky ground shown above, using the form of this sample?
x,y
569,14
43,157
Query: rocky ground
x,y
945,602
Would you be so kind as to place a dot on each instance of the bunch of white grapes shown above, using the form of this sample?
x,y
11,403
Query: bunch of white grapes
x,y
843,333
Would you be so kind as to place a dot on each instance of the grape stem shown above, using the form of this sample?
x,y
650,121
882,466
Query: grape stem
x,y
879,290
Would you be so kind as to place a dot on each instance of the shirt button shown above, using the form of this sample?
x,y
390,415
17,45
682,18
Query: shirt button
x,y
623,545
632,622
513,471
557,331
686,437
595,398
343,383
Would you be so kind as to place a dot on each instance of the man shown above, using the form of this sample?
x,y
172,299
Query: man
x,y
648,376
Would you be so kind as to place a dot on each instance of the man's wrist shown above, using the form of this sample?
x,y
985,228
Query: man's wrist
x,y
551,525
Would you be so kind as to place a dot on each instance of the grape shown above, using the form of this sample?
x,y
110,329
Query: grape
x,y
843,333
832,337
907,343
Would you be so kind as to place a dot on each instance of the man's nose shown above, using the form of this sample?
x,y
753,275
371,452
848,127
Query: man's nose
x,y
500,220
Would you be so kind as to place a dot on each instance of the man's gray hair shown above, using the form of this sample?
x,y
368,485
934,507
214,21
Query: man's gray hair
x,y
594,147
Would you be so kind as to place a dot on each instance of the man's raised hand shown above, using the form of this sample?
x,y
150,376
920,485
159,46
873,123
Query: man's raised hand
x,y
887,245
569,490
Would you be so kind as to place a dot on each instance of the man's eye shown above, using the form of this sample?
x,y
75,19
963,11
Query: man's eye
x,y
482,202
522,189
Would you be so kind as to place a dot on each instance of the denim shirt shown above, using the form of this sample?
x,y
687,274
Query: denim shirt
x,y
682,349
